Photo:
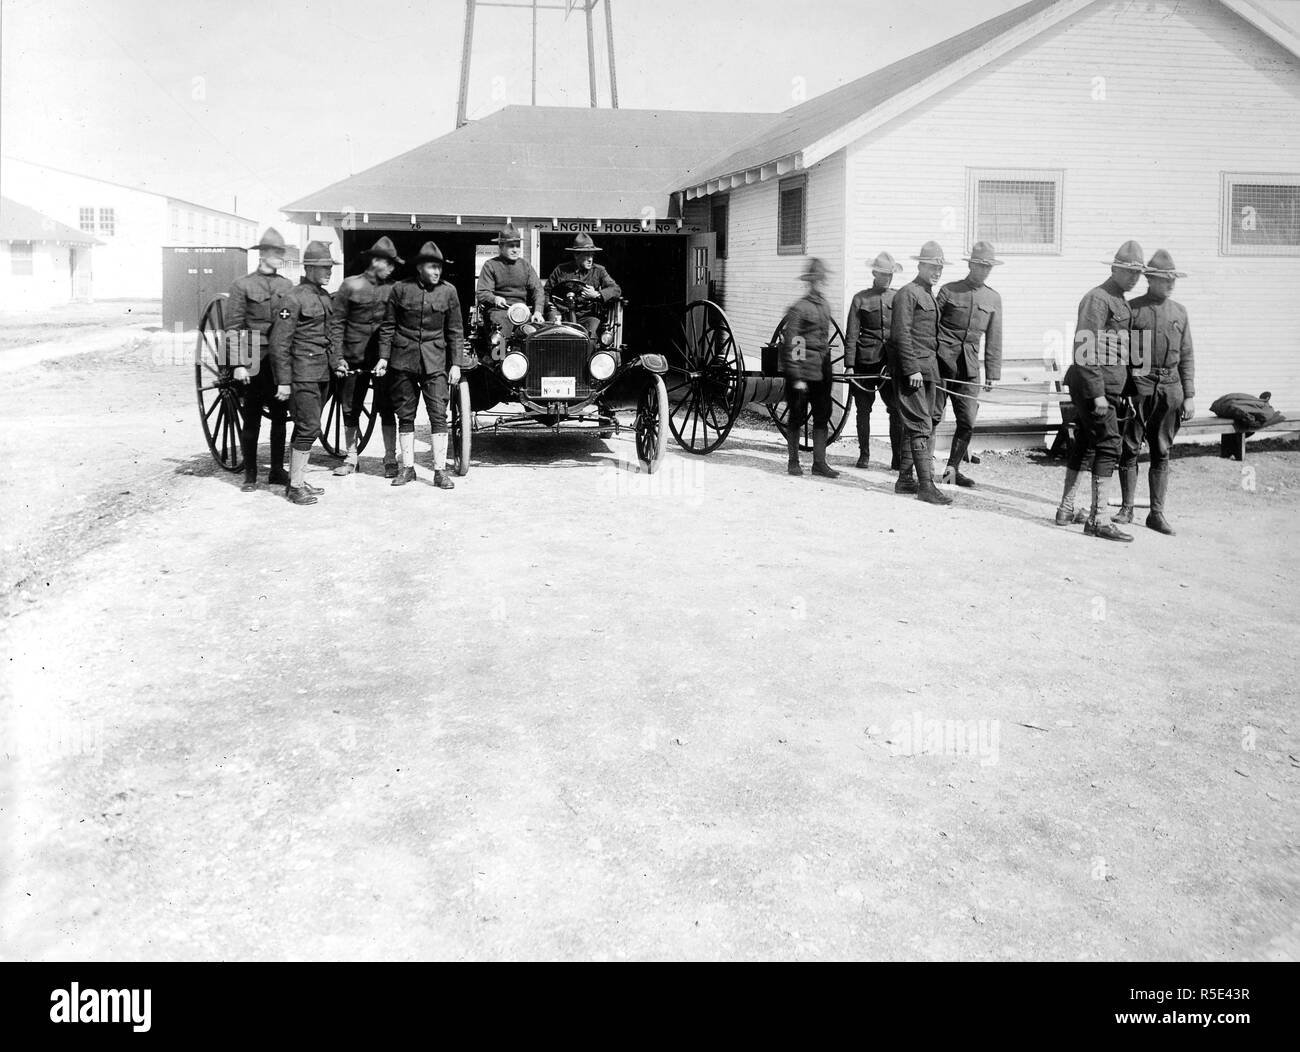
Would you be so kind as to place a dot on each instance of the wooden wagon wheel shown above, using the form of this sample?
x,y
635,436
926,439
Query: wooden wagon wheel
x,y
652,425
331,429
219,408
706,383
461,428
841,395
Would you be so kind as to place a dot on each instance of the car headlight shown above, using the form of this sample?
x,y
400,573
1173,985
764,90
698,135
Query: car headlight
x,y
606,337
514,366
518,313
602,366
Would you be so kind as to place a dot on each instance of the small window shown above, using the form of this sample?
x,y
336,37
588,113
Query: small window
x,y
107,221
87,220
189,226
20,259
1019,211
792,212
1261,216
718,223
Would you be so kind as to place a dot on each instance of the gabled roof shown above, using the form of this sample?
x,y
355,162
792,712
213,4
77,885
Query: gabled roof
x,y
18,222
812,131
558,161
128,186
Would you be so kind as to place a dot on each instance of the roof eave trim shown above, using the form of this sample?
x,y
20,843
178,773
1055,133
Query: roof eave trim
x,y
951,74
791,162
899,104
1266,23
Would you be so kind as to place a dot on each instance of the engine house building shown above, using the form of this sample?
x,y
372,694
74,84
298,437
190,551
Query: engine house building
x,y
1057,131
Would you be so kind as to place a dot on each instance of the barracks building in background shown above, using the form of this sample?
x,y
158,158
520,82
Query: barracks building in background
x,y
1057,131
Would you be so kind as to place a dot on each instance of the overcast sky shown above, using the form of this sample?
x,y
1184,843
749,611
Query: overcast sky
x,y
267,100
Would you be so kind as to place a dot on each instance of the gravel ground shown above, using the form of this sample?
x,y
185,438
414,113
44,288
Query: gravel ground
x,y
569,711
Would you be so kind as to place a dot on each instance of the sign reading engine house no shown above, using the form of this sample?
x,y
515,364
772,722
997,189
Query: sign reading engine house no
x,y
621,226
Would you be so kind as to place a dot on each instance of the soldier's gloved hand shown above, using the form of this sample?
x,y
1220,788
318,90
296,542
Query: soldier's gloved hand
x,y
241,374
588,293
501,302
381,367
341,370
988,384
801,385
453,375
1100,406
282,393
916,381
1189,409
537,318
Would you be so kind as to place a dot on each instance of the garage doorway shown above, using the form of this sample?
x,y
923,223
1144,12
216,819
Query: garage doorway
x,y
650,269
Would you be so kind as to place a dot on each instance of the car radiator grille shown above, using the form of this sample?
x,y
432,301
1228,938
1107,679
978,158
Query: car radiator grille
x,y
557,356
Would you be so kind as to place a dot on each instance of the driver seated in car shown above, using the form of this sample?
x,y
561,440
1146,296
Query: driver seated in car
x,y
587,282
506,279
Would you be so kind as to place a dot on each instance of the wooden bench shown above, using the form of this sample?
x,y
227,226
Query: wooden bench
x,y
1037,382
1232,437
1042,404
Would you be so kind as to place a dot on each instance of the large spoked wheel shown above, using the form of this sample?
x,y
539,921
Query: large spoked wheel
x,y
841,396
652,425
706,383
219,408
461,428
332,435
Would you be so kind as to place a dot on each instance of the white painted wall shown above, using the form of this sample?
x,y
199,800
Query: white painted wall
x,y
48,285
756,283
128,263
1190,91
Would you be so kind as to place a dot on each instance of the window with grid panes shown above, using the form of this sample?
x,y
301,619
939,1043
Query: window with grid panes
x,y
1018,211
1261,215
792,210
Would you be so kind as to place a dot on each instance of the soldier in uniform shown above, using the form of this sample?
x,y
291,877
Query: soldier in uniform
x,y
304,356
968,309
508,278
598,288
1097,377
806,363
1162,387
248,320
421,347
358,311
913,363
865,337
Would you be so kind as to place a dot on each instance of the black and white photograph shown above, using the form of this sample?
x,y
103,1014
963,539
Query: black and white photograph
x,y
849,474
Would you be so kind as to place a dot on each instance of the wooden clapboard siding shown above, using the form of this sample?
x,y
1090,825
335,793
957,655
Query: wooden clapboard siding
x,y
1191,91
756,284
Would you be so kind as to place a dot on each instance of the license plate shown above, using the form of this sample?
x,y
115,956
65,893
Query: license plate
x,y
559,387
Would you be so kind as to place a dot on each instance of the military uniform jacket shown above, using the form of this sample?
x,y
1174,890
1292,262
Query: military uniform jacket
x,y
967,312
300,335
248,307
867,331
422,330
1159,331
1099,362
359,307
514,281
597,278
914,333
805,353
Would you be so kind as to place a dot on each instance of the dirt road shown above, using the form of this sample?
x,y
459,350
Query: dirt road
x,y
569,711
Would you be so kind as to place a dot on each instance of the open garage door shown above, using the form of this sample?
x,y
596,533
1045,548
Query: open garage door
x,y
650,269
